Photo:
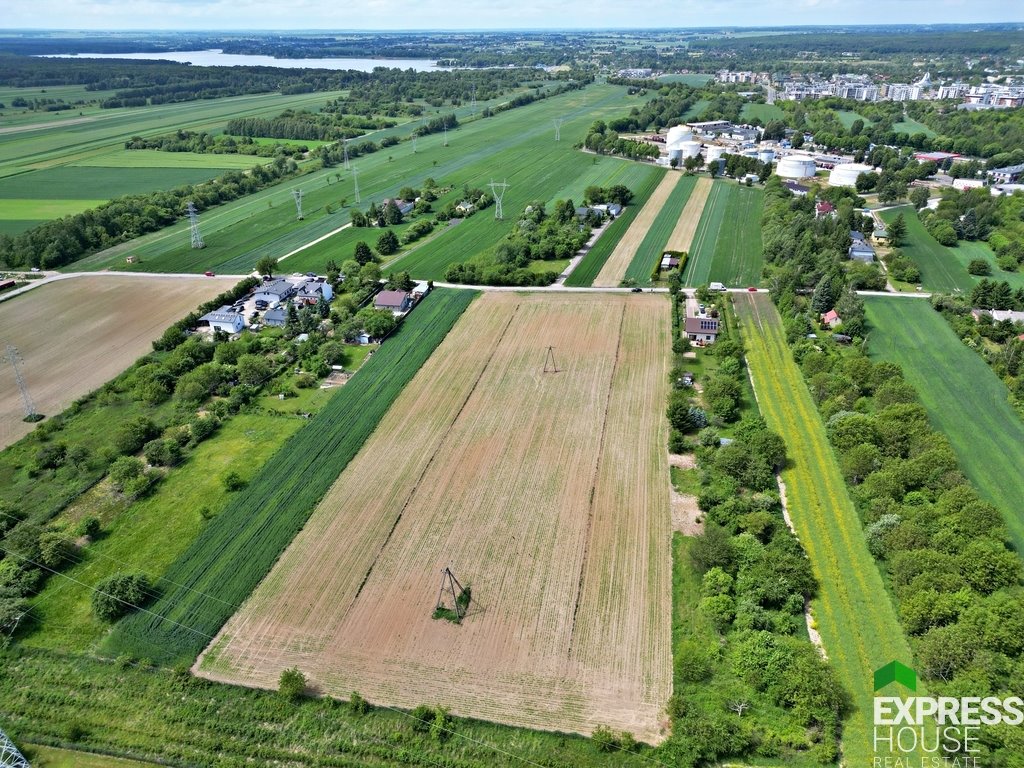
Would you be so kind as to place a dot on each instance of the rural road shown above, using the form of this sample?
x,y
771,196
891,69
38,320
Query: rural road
x,y
51,277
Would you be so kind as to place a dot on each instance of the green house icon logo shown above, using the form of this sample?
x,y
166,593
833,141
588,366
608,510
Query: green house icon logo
x,y
895,672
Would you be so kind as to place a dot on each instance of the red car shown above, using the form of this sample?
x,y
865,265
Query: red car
x,y
208,273
752,289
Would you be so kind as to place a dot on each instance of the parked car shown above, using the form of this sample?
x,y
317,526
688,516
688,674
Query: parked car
x,y
752,289
638,290
208,273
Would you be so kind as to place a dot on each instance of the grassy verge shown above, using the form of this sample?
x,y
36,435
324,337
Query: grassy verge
x,y
983,428
857,621
591,264
238,548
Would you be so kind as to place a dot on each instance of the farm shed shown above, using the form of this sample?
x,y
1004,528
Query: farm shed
x,y
224,319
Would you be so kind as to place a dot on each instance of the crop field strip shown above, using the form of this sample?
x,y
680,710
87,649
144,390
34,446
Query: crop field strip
x,y
237,549
76,334
500,471
521,140
726,246
855,617
648,255
686,225
964,398
618,262
940,269
592,264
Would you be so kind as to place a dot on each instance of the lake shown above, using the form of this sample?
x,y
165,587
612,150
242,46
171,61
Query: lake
x,y
217,58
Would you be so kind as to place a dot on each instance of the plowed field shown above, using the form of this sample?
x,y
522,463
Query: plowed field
x,y
548,492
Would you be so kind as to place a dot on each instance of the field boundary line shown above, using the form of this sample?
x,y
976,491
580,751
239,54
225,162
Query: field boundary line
x,y
594,477
320,239
430,461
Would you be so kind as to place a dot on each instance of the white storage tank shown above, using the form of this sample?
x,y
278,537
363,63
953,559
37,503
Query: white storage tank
x,y
690,148
714,151
846,175
796,167
678,134
766,155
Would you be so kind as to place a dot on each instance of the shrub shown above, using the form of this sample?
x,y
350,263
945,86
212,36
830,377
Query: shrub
x,y
134,434
422,717
124,470
292,684
233,482
120,594
605,739
979,267
357,704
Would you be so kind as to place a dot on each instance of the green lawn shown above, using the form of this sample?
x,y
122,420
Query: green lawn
x,y
151,533
39,210
517,146
555,265
965,400
648,254
696,110
911,126
726,245
17,226
763,112
848,118
92,184
940,269
854,615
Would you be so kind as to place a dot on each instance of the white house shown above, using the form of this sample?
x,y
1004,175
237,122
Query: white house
x,y
224,319
314,291
395,301
274,292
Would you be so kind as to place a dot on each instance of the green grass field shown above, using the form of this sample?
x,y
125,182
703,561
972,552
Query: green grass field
x,y
154,158
517,146
213,576
965,400
150,534
854,615
696,110
940,269
591,264
848,118
695,79
52,757
726,246
648,255
90,184
911,126
763,112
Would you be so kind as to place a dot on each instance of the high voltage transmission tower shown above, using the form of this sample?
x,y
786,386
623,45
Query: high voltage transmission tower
x,y
193,218
498,192
446,136
558,128
344,143
14,358
297,194
10,757
472,99
355,180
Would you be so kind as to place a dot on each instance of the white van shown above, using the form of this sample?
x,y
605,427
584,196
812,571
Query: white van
x,y
716,287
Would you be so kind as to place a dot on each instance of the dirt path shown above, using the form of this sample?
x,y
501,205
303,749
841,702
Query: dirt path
x,y
615,268
682,235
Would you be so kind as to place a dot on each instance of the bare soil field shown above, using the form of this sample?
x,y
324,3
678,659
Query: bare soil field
x,y
547,492
615,268
76,334
682,235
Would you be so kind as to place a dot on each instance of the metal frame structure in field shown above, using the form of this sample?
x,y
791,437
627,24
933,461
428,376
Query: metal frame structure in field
x,y
193,220
14,358
499,214
10,757
448,587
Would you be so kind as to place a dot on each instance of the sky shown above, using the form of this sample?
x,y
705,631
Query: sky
x,y
491,14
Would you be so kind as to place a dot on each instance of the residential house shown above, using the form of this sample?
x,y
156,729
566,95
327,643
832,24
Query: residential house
x,y
276,317
1008,175
860,250
703,330
274,291
609,209
824,208
831,319
404,206
224,319
669,262
465,208
999,315
880,236
313,292
420,289
394,301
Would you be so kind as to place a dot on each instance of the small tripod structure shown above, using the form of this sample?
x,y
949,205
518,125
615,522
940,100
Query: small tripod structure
x,y
550,366
460,597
